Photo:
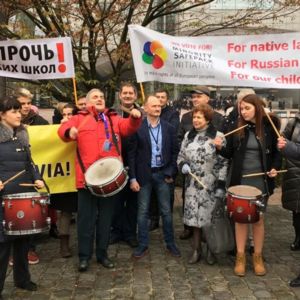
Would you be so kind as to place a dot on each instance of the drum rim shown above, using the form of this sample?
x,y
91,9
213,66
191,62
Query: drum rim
x,y
242,196
27,195
26,231
108,182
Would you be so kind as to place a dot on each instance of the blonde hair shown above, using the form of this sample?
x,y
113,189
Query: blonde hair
x,y
243,93
22,92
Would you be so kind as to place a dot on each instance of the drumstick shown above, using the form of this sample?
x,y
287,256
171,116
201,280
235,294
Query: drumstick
x,y
274,127
27,184
198,180
13,177
262,173
235,130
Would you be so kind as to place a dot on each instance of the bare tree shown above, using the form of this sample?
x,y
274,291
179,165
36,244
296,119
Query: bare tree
x,y
99,30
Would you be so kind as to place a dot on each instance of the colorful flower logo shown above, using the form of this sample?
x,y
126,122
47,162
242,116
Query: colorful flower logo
x,y
154,54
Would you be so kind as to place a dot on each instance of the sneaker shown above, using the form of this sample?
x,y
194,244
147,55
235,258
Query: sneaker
x,y
33,258
140,252
174,250
29,286
11,261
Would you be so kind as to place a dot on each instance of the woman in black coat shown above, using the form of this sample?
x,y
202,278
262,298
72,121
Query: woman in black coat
x,y
14,158
252,149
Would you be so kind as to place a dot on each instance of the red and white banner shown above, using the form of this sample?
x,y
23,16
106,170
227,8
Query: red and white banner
x,y
271,60
37,59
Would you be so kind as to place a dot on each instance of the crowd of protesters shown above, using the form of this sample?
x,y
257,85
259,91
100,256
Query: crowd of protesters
x,y
149,146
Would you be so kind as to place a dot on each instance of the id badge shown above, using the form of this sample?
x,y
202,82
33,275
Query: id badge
x,y
106,145
158,160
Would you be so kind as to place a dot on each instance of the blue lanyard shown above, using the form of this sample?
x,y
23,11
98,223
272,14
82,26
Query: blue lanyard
x,y
157,136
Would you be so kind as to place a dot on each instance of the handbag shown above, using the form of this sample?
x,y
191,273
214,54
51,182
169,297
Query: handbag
x,y
219,234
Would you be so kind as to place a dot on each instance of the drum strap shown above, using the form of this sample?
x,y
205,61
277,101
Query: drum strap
x,y
80,161
114,136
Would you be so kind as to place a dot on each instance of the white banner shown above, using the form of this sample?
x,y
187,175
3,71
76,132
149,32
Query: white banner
x,y
271,60
37,59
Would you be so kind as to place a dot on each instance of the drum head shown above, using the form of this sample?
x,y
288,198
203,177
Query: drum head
x,y
103,171
244,191
29,195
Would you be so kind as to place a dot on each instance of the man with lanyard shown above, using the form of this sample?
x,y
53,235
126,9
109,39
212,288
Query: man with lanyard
x,y
171,115
124,224
152,166
97,131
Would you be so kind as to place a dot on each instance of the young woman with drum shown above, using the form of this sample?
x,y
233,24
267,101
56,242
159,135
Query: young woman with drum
x,y
16,167
198,158
252,149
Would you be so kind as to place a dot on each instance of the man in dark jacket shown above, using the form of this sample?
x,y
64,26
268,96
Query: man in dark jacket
x,y
200,94
152,166
124,224
171,115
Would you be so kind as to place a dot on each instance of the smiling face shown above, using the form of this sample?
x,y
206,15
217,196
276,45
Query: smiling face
x,y
11,118
127,96
199,121
247,111
96,99
198,99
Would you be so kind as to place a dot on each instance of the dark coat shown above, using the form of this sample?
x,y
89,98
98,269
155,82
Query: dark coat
x,y
15,157
139,153
170,115
291,180
186,123
34,119
270,156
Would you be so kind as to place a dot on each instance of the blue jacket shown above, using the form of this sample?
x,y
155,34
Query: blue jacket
x,y
139,152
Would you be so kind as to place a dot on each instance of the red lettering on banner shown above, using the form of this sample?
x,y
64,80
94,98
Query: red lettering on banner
x,y
234,75
231,47
269,46
61,57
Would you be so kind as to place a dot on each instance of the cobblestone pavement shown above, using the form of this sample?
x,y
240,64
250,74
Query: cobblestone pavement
x,y
160,276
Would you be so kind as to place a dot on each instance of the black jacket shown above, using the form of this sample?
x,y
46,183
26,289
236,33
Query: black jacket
x,y
270,156
170,115
291,180
34,119
15,157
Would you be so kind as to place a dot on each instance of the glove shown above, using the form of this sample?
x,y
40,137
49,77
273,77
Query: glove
x,y
219,193
186,169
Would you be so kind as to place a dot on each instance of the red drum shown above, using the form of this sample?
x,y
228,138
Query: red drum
x,y
242,203
106,177
25,213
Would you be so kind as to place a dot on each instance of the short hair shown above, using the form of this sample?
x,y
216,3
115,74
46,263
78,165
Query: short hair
x,y
243,93
147,98
205,109
163,91
22,92
8,103
128,84
88,95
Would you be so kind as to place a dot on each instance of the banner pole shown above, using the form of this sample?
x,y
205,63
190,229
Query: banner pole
x,y
75,90
142,91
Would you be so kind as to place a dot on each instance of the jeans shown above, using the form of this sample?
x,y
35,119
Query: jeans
x,y
94,217
162,191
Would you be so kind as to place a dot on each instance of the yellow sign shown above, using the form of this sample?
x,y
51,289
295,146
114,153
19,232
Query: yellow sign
x,y
55,159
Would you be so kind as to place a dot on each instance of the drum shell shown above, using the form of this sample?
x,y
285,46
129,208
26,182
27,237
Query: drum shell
x,y
25,213
110,188
242,210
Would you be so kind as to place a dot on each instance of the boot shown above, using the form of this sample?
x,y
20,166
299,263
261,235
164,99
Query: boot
x,y
258,264
195,257
240,264
295,246
65,251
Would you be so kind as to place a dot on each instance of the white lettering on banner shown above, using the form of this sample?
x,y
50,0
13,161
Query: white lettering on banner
x,y
37,59
252,60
